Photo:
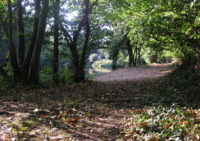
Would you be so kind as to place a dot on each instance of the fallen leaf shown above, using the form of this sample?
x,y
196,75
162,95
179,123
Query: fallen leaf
x,y
142,123
71,120
166,126
184,122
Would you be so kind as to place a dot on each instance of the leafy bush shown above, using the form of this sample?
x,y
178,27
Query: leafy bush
x,y
65,74
46,74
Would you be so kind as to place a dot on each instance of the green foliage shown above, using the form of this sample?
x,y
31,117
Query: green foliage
x,y
65,74
162,123
159,25
170,110
8,68
3,85
46,74
122,61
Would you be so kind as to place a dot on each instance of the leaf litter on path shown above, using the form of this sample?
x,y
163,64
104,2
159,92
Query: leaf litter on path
x,y
89,111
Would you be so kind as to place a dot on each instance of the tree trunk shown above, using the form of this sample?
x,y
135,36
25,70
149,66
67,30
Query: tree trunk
x,y
21,41
56,40
34,74
12,51
139,56
75,61
27,61
115,58
136,55
131,62
79,63
85,45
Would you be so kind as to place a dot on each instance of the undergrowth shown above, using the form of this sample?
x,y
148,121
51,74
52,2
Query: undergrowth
x,y
170,111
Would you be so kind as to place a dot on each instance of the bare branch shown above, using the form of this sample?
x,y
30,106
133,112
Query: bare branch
x,y
67,35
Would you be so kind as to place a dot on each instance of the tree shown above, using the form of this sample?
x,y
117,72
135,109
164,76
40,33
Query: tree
x,y
56,41
172,24
162,25
21,63
72,40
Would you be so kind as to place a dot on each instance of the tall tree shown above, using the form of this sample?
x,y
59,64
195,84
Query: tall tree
x,y
19,62
56,41
12,50
21,41
34,72
72,40
28,58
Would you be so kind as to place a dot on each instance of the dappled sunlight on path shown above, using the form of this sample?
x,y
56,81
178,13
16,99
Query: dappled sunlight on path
x,y
136,73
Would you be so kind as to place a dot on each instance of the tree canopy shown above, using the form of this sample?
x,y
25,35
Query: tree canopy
x,y
133,28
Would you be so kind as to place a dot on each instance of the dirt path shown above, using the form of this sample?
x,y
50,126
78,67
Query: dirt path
x,y
76,112
135,73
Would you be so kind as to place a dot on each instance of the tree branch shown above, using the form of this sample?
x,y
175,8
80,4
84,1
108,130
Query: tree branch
x,y
92,5
67,35
76,32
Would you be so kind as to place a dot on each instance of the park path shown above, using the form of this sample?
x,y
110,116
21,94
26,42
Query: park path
x,y
135,73
90,111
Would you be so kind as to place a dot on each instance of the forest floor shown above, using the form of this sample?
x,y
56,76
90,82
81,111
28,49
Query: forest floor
x,y
95,111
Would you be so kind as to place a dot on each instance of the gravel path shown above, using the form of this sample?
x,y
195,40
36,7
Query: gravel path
x,y
135,73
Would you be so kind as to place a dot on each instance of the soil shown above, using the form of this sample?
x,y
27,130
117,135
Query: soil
x,y
76,112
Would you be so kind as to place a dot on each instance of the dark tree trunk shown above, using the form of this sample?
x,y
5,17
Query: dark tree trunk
x,y
115,58
85,45
153,58
56,41
34,74
12,51
73,49
139,56
74,52
20,24
131,61
82,64
136,55
75,61
27,61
